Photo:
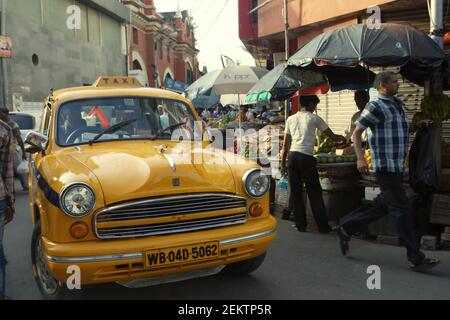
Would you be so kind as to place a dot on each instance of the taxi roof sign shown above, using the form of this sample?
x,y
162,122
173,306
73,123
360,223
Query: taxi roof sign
x,y
117,82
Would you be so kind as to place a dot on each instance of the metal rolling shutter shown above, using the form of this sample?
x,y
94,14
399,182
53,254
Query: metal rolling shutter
x,y
337,109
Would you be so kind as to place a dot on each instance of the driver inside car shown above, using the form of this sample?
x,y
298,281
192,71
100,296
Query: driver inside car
x,y
70,120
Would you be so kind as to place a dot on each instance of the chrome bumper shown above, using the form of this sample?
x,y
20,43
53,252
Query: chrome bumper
x,y
140,255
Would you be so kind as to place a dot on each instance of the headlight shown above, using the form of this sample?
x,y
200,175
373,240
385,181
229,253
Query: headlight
x,y
256,184
77,200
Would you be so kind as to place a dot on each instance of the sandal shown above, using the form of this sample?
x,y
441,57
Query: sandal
x,y
424,265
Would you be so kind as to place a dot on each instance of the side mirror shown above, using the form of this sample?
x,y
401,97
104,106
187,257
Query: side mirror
x,y
36,142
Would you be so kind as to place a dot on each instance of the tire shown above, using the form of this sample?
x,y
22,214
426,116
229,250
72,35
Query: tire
x,y
50,288
245,267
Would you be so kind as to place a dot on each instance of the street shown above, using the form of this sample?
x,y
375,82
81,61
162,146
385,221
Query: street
x,y
298,266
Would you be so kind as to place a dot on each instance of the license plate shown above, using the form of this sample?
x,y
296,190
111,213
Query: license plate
x,y
177,255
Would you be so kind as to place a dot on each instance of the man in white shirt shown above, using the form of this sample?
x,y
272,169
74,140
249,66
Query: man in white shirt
x,y
299,141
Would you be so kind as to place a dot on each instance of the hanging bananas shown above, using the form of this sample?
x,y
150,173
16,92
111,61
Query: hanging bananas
x,y
436,108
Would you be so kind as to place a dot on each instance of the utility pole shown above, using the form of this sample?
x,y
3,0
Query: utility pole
x,y
2,62
434,85
286,48
437,22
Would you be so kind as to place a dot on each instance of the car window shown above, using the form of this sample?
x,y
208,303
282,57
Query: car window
x,y
78,122
25,122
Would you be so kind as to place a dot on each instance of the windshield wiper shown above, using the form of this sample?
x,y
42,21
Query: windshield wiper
x,y
112,129
168,128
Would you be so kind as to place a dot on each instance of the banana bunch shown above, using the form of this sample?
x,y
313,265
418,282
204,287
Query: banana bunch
x,y
368,158
436,108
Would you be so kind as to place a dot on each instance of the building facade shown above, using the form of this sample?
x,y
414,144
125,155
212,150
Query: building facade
x,y
262,32
61,43
162,51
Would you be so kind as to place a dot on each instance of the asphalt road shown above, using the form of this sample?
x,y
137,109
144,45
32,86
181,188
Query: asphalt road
x,y
298,266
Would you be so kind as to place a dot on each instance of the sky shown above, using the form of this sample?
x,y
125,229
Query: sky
x,y
217,30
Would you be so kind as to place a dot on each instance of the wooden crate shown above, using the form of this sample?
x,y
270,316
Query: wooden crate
x,y
440,209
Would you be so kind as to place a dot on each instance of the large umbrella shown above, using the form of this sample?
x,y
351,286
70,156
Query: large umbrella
x,y
230,80
283,81
390,45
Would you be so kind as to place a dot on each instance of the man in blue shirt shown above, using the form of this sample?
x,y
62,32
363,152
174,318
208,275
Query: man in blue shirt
x,y
388,136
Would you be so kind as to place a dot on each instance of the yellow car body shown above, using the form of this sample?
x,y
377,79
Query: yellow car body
x,y
136,175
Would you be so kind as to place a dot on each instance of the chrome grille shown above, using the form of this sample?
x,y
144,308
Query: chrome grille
x,y
130,215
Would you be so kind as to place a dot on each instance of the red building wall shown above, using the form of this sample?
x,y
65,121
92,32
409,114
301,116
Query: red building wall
x,y
248,28
147,45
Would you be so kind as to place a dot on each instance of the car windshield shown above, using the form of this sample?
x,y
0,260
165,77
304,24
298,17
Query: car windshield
x,y
25,122
78,122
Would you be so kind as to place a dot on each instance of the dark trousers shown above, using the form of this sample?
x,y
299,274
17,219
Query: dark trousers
x,y
392,200
302,168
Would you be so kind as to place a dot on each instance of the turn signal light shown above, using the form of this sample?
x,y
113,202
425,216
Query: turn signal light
x,y
79,230
256,209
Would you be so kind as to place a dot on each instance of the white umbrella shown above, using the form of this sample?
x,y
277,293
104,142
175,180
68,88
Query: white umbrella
x,y
230,80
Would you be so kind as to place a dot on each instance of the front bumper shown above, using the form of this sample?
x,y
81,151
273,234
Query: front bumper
x,y
123,260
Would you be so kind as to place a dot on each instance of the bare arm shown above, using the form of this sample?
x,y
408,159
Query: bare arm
x,y
335,137
357,140
286,148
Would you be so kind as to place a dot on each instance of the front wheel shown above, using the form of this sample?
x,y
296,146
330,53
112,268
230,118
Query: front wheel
x,y
50,288
244,267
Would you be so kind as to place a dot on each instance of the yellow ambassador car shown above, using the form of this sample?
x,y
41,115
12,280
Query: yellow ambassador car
x,y
115,198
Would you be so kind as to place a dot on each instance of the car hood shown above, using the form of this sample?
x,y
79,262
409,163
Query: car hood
x,y
136,170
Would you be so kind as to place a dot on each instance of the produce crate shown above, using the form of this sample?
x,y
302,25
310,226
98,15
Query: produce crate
x,y
440,209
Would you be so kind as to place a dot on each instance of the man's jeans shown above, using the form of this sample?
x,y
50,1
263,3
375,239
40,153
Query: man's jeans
x,y
303,168
2,254
392,199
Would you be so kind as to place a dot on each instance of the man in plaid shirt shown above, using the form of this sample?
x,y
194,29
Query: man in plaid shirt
x,y
388,136
6,193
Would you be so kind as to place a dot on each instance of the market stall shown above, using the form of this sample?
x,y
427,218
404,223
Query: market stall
x,y
346,67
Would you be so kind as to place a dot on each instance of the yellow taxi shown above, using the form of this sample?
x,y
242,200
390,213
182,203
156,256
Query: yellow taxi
x,y
125,188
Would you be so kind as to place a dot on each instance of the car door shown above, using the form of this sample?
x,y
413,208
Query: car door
x,y
36,158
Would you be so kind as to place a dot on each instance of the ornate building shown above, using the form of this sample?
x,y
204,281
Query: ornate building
x,y
162,51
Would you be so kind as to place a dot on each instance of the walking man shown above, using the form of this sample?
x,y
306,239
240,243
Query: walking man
x,y
388,135
299,141
6,193
16,141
